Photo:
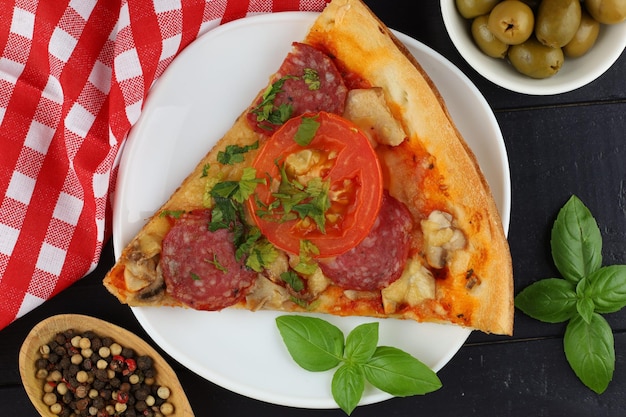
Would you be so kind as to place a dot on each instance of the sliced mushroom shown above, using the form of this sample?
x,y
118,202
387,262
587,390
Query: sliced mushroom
x,y
368,109
142,274
266,294
440,238
155,290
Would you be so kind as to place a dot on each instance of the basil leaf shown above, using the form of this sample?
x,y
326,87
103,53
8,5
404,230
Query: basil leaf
x,y
584,304
590,351
607,288
361,342
347,386
313,343
576,241
551,300
400,374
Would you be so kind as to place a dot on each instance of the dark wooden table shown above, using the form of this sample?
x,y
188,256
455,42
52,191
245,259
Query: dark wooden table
x,y
573,143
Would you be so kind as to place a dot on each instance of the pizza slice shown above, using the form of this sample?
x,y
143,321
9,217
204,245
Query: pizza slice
x,y
344,188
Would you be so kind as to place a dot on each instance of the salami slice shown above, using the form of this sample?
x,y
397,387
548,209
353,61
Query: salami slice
x,y
380,258
307,81
199,266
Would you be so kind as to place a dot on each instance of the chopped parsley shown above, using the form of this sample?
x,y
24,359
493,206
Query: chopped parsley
x,y
227,198
293,280
234,153
306,131
307,265
312,79
175,214
259,250
216,263
295,200
268,111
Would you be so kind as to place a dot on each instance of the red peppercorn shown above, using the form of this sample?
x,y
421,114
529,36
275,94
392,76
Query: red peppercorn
x,y
117,363
122,397
131,366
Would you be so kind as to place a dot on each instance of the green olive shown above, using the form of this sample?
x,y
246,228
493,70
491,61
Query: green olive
x,y
511,21
607,11
470,9
535,59
532,3
584,38
485,40
557,21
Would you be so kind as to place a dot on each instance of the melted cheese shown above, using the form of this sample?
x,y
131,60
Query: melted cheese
x,y
415,285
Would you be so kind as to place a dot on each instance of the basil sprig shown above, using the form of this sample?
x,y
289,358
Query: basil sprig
x,y
316,345
586,291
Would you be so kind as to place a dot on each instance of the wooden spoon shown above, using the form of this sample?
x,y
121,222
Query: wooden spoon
x,y
44,332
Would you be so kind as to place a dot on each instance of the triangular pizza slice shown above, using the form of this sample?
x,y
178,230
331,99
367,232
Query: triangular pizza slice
x,y
344,188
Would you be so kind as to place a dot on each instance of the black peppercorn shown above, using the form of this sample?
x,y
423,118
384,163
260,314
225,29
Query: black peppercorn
x,y
115,382
87,364
96,343
60,338
141,406
42,363
144,362
68,397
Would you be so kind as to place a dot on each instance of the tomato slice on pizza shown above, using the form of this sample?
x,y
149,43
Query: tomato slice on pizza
x,y
323,184
344,188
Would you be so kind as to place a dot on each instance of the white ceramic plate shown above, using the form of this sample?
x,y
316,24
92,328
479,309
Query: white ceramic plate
x,y
188,110
575,72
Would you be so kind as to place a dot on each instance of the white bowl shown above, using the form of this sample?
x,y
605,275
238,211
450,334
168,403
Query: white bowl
x,y
575,72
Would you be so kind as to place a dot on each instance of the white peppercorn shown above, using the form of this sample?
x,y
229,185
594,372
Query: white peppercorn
x,y
84,343
75,341
86,352
44,350
166,409
49,398
77,359
163,392
116,349
56,408
82,376
61,388
120,407
104,352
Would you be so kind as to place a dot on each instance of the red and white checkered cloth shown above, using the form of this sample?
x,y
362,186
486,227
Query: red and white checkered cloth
x,y
74,75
